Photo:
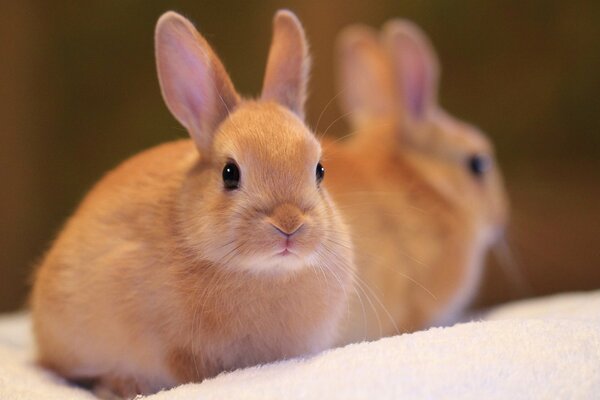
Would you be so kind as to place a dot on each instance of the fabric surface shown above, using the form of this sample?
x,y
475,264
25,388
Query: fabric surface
x,y
537,349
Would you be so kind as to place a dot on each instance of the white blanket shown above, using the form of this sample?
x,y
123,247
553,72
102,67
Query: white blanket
x,y
539,349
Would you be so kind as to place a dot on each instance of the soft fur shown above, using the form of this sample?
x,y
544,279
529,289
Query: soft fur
x,y
162,276
421,221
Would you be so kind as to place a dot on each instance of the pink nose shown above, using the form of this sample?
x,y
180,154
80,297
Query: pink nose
x,y
287,219
287,232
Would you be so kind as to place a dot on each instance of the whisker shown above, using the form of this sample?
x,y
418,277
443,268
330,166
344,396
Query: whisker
x,y
325,248
337,278
396,269
360,283
352,133
335,121
389,315
325,108
506,259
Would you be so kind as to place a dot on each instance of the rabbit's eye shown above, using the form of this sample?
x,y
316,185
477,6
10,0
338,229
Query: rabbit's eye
x,y
478,165
320,173
231,176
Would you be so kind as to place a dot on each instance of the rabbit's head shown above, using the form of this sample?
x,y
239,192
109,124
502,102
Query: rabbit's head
x,y
254,199
390,84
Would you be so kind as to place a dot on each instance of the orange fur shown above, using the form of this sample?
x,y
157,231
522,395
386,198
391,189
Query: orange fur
x,y
162,276
420,221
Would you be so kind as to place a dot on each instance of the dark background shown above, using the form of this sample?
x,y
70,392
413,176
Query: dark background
x,y
78,94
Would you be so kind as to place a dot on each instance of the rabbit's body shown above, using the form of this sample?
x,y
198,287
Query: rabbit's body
x,y
130,240
418,257
173,269
421,221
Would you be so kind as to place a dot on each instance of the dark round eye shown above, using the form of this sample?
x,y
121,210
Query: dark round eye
x,y
231,176
478,165
320,173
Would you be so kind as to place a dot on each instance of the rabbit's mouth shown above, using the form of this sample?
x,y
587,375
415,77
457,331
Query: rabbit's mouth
x,y
285,252
287,256
289,247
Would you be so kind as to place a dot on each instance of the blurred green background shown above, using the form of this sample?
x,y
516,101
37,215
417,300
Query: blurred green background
x,y
78,94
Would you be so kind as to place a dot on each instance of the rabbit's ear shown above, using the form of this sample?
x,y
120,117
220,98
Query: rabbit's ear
x,y
415,65
194,83
288,64
365,76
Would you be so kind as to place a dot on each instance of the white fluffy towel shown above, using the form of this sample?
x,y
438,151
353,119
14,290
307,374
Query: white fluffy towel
x,y
538,349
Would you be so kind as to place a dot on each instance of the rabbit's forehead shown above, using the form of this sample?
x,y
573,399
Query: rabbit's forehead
x,y
266,134
460,139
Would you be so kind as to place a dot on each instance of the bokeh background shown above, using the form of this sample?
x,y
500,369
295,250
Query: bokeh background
x,y
78,94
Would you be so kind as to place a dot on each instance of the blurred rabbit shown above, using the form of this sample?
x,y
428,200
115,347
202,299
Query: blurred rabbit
x,y
420,189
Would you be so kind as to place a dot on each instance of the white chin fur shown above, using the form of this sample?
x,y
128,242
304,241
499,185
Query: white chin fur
x,y
276,264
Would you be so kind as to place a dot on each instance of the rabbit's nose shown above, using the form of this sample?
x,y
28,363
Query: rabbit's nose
x,y
286,232
287,219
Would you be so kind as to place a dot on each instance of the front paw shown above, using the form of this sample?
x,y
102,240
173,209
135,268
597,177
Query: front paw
x,y
118,388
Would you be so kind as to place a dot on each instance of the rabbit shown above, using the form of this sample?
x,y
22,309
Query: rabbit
x,y
201,255
420,189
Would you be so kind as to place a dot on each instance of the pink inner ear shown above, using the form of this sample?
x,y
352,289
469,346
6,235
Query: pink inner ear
x,y
414,79
186,82
193,84
416,90
368,85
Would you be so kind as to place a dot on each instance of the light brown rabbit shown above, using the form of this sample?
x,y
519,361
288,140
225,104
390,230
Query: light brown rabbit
x,y
201,255
420,189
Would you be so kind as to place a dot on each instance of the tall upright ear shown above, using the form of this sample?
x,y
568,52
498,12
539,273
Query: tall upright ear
x,y
365,76
416,66
194,83
288,64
